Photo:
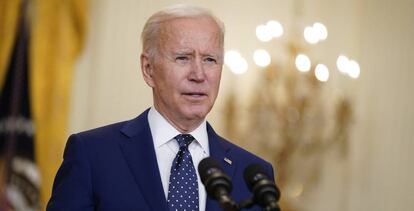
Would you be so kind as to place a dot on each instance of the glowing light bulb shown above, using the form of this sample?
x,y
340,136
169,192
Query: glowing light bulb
x,y
236,63
342,63
261,58
322,72
320,30
303,63
310,35
354,69
275,28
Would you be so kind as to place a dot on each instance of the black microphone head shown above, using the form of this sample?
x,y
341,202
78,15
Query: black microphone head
x,y
206,167
254,173
213,178
263,188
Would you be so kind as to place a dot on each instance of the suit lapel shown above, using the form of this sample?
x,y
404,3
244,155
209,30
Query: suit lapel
x,y
139,152
221,153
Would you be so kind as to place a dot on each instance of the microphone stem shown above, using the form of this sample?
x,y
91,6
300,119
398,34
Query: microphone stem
x,y
227,204
272,207
271,203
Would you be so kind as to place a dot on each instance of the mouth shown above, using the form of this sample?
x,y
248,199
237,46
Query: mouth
x,y
195,95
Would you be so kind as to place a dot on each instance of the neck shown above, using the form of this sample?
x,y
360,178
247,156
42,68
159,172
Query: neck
x,y
183,126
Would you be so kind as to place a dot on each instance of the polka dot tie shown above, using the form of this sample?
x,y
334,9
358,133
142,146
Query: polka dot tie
x,y
183,186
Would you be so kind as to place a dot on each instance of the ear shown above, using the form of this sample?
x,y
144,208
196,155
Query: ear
x,y
147,69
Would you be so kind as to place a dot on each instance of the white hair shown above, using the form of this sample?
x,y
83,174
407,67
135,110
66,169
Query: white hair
x,y
150,35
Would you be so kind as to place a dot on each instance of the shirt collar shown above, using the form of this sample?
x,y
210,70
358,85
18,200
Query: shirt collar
x,y
162,131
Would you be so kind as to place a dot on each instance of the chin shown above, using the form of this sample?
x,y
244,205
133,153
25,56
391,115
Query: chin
x,y
197,113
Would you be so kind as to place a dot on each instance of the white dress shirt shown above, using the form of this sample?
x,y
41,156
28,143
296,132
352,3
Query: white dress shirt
x,y
166,148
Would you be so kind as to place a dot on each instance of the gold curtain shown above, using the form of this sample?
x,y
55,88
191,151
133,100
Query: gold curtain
x,y
58,31
9,17
57,35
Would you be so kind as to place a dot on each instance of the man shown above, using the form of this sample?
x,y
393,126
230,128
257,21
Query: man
x,y
135,165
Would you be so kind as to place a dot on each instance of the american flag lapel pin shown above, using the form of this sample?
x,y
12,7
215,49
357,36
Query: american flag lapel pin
x,y
228,161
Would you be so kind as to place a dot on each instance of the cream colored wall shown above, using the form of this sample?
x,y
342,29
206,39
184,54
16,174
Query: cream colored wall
x,y
384,136
377,175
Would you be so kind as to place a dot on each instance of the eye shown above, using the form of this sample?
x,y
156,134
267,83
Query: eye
x,y
182,58
210,60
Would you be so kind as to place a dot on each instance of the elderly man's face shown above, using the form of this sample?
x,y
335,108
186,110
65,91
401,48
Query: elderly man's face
x,y
185,73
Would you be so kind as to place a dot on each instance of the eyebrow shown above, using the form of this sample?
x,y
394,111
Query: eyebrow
x,y
192,52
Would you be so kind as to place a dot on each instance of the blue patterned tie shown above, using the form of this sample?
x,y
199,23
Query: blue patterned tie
x,y
183,186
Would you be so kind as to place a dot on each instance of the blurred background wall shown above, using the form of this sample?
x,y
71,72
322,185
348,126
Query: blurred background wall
x,y
370,169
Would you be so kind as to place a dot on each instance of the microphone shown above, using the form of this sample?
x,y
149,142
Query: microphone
x,y
265,192
217,183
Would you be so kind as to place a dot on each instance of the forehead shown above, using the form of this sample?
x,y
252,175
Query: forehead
x,y
190,30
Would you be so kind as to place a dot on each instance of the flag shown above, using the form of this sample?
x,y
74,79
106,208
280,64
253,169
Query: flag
x,y
20,178
36,95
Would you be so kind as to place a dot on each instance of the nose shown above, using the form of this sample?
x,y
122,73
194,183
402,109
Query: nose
x,y
197,73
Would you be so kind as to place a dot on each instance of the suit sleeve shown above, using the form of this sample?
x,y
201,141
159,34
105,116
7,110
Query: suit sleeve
x,y
72,188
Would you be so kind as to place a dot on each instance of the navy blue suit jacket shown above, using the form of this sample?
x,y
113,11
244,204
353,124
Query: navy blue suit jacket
x,y
115,168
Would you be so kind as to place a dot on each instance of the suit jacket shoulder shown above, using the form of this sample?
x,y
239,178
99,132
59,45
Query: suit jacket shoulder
x,y
109,168
234,160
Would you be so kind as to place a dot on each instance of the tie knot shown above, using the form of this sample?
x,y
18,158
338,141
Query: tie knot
x,y
184,140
